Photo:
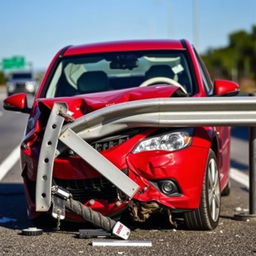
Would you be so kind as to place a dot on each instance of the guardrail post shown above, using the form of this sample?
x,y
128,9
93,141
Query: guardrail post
x,y
252,170
251,213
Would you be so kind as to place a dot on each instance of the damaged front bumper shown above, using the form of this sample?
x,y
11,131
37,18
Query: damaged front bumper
x,y
160,112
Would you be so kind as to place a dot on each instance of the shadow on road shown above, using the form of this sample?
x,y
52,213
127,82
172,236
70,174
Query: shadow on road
x,y
12,206
238,165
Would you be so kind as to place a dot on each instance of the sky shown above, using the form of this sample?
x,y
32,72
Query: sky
x,y
37,29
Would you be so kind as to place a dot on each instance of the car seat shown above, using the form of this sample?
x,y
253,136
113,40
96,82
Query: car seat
x,y
93,81
160,71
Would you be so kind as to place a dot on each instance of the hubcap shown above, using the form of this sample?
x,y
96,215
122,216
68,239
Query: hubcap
x,y
213,190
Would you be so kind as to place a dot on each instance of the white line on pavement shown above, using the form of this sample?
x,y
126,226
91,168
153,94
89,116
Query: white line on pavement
x,y
9,162
240,177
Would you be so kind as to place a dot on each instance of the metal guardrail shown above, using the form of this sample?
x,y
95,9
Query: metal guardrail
x,y
166,112
160,112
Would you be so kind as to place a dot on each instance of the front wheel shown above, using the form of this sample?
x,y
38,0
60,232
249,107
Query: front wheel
x,y
206,217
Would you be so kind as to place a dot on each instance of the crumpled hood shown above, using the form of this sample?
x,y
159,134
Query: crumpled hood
x,y
82,104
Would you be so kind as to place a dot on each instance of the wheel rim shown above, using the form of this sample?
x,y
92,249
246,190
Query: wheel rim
x,y
213,190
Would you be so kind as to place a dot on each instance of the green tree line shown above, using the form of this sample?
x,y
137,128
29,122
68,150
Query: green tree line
x,y
237,61
2,78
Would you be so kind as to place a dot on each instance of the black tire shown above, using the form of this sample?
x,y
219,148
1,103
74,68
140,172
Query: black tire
x,y
206,217
226,191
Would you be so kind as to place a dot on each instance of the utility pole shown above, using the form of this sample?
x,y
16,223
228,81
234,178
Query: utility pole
x,y
195,22
168,6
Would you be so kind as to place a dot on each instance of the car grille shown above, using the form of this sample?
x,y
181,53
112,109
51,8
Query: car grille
x,y
106,143
18,85
84,190
109,142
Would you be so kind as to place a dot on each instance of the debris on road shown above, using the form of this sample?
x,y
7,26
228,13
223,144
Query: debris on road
x,y
90,233
32,231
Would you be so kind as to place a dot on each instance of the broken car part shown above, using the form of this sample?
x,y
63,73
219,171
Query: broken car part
x,y
32,231
96,218
90,233
62,198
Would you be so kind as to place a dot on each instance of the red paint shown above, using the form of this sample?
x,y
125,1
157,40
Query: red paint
x,y
124,46
89,102
16,101
224,87
48,73
196,70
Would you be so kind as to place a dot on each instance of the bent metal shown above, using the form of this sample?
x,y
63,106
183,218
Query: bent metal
x,y
160,112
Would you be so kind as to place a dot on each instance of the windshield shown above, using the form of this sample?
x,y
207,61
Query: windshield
x,y
118,70
22,76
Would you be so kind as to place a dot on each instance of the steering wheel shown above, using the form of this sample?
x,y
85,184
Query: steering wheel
x,y
160,79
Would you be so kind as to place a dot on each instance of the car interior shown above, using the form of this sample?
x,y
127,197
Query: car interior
x,y
81,77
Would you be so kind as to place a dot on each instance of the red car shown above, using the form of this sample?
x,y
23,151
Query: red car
x,y
176,170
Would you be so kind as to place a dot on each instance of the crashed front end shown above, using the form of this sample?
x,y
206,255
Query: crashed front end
x,y
117,157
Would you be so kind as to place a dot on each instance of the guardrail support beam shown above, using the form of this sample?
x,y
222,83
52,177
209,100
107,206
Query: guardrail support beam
x,y
250,213
252,170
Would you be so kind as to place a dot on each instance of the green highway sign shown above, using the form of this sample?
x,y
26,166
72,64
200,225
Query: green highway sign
x,y
16,62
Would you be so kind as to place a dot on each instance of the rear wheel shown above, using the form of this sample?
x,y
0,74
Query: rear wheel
x,y
206,217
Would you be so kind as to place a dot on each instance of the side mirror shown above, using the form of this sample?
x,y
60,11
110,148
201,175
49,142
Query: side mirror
x,y
17,102
226,88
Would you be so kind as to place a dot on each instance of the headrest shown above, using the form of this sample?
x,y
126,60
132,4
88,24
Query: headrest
x,y
92,81
160,71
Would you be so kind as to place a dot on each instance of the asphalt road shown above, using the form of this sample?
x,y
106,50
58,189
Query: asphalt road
x,y
229,238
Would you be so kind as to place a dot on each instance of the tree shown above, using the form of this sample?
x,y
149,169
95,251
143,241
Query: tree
x,y
237,61
2,78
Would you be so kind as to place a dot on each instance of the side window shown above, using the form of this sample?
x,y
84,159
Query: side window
x,y
206,79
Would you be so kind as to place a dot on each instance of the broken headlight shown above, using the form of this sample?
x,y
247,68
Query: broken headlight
x,y
171,141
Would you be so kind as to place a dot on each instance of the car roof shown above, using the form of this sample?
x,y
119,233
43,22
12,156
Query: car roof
x,y
135,45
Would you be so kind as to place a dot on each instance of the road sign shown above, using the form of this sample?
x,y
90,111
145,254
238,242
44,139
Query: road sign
x,y
16,62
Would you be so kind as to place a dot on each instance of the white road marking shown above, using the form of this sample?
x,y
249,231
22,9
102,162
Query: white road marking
x,y
9,162
240,177
1,113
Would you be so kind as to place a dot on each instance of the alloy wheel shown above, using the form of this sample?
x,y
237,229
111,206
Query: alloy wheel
x,y
213,190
